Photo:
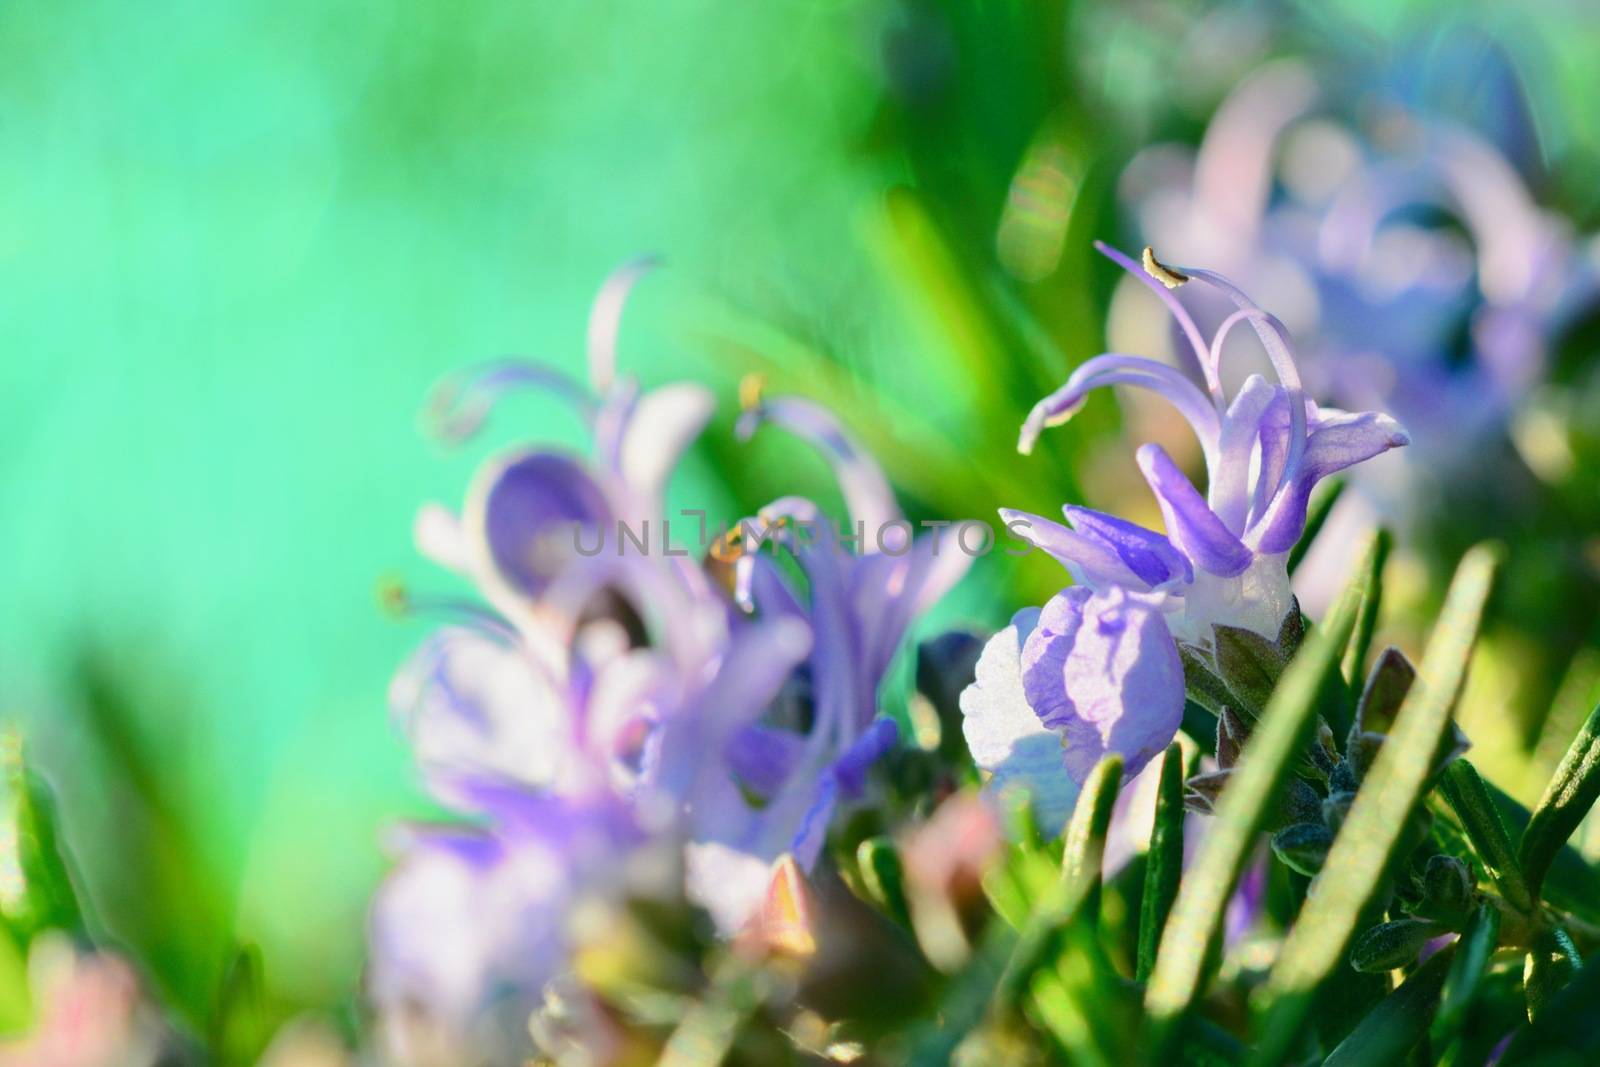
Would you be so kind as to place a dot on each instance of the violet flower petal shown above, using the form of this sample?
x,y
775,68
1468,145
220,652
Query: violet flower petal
x,y
1191,525
1104,671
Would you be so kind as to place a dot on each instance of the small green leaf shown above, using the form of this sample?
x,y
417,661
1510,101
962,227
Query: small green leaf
x,y
1387,1033
1084,1003
1243,811
1084,855
1355,654
1547,968
1201,682
1385,691
1447,885
1392,944
1378,820
16,992
239,1025
1249,665
1572,884
1471,960
38,894
1164,861
1317,512
1465,791
1076,894
1568,1028
1303,846
883,877
1567,799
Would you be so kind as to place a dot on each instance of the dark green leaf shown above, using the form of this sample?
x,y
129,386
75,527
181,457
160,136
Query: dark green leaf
x,y
1203,686
1355,654
1387,1033
1249,665
45,898
240,1025
1472,954
1385,691
1568,797
1392,944
1378,820
1303,846
1568,1028
1243,810
1164,862
883,877
1548,966
1075,895
1465,791
1572,885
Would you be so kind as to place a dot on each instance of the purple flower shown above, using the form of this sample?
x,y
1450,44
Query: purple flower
x,y
550,717
783,775
1328,205
1098,669
611,701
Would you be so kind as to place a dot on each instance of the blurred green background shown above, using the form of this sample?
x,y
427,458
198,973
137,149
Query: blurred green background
x,y
239,241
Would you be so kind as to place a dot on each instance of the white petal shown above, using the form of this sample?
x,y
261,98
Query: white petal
x,y
663,424
1006,737
437,533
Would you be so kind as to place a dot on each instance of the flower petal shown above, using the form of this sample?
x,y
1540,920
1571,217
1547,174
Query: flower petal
x,y
473,707
1192,526
1114,368
1229,491
526,513
763,757
1004,735
1150,556
662,425
605,319
1104,672
1338,440
1091,561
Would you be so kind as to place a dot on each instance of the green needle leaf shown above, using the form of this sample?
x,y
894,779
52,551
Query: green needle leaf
x,y
240,1026
1400,1019
1315,947
883,877
1164,862
1243,811
1567,799
1549,965
1317,513
1355,654
1567,1030
1076,894
36,889
1466,972
1465,791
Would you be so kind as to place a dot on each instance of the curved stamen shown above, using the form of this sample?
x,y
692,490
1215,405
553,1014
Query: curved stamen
x,y
866,489
1115,368
1275,339
605,319
460,403
1179,313
400,602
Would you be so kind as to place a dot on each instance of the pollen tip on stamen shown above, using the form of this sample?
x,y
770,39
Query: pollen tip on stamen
x,y
393,597
1160,271
752,388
